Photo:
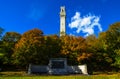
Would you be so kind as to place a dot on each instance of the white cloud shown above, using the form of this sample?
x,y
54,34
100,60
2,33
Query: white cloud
x,y
85,24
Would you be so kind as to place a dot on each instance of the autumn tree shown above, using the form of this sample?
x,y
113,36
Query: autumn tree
x,y
74,49
30,48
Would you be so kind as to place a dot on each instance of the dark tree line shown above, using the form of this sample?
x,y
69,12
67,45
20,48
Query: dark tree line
x,y
100,53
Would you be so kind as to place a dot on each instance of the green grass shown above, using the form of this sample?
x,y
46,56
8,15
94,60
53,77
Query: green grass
x,y
63,77
1,54
23,75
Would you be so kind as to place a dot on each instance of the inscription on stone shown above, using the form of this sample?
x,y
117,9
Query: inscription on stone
x,y
57,64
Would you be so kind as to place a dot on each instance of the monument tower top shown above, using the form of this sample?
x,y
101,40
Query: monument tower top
x,y
62,12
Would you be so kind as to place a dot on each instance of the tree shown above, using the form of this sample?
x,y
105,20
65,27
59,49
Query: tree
x,y
30,48
100,57
1,49
11,37
52,46
8,43
113,36
113,42
1,31
74,49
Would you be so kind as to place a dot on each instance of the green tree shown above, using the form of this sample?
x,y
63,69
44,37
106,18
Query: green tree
x,y
1,49
113,42
103,46
100,59
52,46
11,37
8,44
1,31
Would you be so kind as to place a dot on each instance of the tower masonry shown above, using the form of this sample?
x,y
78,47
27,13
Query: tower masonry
x,y
62,21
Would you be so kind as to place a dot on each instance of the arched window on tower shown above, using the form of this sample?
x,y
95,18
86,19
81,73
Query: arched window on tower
x,y
62,9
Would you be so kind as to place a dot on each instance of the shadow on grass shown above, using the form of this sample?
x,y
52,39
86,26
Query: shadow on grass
x,y
8,73
105,73
23,73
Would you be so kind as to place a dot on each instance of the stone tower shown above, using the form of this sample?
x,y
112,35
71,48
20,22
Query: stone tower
x,y
62,21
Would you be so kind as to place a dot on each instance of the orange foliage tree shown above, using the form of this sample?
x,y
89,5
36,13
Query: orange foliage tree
x,y
74,49
30,48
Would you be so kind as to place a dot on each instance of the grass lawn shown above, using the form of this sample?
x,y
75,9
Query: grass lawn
x,y
1,54
64,77
23,75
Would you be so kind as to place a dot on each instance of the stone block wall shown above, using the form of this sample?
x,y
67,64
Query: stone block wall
x,y
38,69
80,69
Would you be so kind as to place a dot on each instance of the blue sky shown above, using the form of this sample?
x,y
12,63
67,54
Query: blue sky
x,y
84,17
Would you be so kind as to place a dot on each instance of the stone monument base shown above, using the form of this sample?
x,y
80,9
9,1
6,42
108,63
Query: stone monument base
x,y
58,66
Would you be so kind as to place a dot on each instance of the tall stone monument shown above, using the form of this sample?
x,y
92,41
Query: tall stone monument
x,y
62,21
